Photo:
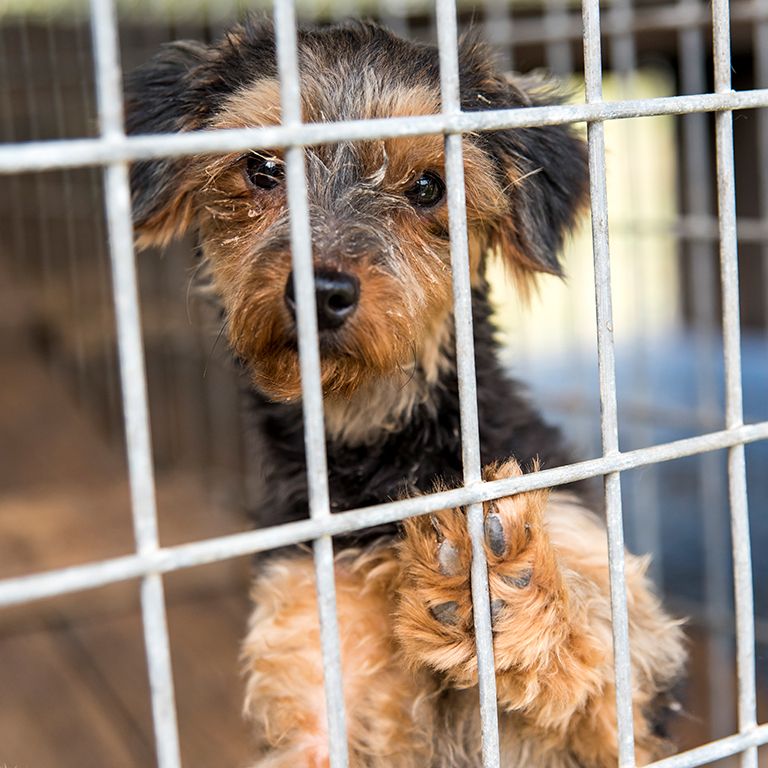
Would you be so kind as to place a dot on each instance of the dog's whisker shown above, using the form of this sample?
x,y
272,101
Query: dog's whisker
x,y
213,348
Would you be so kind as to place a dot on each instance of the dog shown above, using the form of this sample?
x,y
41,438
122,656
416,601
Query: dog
x,y
379,227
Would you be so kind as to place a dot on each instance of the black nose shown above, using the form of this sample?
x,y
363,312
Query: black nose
x,y
336,294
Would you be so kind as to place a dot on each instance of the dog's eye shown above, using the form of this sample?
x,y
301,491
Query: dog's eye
x,y
264,171
427,190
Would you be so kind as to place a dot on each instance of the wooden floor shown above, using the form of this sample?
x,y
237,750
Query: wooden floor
x,y
73,680
73,683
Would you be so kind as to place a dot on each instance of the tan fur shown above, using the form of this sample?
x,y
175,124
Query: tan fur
x,y
410,679
389,717
249,271
385,405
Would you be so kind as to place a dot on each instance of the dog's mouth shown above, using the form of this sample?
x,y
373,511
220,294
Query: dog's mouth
x,y
330,342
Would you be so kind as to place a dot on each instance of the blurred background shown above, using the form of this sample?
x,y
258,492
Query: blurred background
x,y
73,688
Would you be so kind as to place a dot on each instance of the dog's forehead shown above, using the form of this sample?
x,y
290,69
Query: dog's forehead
x,y
329,98
346,95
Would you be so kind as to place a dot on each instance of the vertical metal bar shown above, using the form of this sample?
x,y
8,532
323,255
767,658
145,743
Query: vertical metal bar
x,y
312,399
470,442
133,378
607,376
760,48
497,23
734,417
14,185
696,148
557,24
644,488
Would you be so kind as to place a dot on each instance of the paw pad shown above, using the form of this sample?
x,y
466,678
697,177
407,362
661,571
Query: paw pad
x,y
494,534
446,613
521,581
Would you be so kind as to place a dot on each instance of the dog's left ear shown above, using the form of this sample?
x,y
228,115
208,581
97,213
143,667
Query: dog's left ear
x,y
543,170
163,96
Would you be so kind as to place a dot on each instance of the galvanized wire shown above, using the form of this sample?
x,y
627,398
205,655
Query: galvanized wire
x,y
734,416
312,392
465,369
64,580
73,153
133,380
609,426
113,150
697,176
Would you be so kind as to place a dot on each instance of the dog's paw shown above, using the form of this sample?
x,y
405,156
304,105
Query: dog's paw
x,y
435,620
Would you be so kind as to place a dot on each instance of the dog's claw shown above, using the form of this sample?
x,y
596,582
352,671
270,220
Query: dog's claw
x,y
494,534
446,613
448,558
435,523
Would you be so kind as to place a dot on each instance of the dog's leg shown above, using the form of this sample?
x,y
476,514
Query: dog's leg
x,y
387,706
548,576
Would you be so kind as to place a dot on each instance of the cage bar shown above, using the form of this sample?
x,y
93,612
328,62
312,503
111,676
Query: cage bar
x,y
715,750
698,184
734,416
465,369
73,153
112,150
609,427
76,578
312,392
134,385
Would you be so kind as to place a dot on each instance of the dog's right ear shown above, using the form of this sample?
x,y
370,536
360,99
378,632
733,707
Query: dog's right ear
x,y
166,95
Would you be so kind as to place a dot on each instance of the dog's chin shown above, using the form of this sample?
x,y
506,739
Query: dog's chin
x,y
278,375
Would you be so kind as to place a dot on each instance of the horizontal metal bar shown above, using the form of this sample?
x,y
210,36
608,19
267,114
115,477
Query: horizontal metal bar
x,y
696,227
687,227
532,31
715,750
75,153
91,575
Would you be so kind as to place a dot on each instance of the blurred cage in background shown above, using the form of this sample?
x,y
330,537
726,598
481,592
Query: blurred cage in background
x,y
63,486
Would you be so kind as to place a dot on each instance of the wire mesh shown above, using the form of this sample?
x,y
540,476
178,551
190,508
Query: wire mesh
x,y
112,150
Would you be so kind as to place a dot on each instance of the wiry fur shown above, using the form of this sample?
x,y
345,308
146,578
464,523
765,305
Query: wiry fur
x,y
391,404
409,667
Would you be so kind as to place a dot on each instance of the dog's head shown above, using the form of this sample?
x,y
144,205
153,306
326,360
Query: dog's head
x,y
379,218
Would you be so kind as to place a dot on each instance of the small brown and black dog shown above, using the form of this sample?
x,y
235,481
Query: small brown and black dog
x,y
383,283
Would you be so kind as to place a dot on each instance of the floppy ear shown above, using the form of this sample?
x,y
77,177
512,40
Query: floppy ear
x,y
543,170
165,95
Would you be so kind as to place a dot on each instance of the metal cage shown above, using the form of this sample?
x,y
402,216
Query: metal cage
x,y
112,151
